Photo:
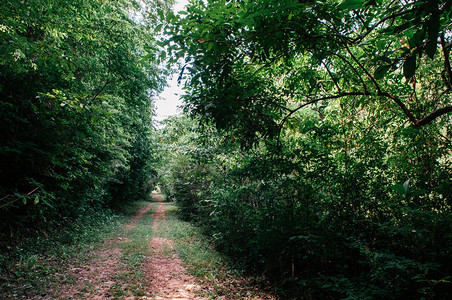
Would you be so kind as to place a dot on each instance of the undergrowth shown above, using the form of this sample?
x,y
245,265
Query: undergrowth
x,y
35,264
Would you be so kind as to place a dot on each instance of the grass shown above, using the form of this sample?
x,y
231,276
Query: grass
x,y
207,264
35,265
39,265
131,209
135,252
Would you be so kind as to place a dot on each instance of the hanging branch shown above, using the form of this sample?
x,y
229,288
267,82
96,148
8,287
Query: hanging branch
x,y
353,68
416,122
362,68
447,67
332,77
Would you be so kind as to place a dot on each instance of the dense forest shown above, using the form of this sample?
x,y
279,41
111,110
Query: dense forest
x,y
315,146
76,79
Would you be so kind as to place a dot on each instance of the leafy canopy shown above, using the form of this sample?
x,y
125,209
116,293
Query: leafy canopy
x,y
251,65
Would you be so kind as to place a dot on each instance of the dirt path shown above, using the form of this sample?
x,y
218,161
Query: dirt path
x,y
164,274
140,262
167,276
140,214
95,280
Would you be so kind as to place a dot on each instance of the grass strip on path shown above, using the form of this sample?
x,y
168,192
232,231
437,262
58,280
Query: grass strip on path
x,y
217,278
94,256
124,274
108,257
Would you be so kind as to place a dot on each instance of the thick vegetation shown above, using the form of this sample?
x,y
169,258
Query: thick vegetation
x,y
324,159
76,79
318,153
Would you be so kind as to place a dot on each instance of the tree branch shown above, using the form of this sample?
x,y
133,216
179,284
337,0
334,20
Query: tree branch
x,y
416,122
353,68
362,68
399,102
372,28
265,100
284,120
433,115
100,90
17,198
332,78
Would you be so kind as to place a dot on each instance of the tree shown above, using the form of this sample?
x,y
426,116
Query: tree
x,y
252,65
76,81
341,188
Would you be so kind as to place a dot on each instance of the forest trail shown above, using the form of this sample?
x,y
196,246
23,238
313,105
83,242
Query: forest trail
x,y
162,273
167,276
141,262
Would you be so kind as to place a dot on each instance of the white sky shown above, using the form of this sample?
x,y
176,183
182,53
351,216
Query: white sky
x,y
168,102
179,5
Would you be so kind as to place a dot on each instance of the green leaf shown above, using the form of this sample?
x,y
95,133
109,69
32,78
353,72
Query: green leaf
x,y
406,185
351,4
149,57
409,66
401,188
36,200
158,28
385,59
432,30
409,33
417,39
381,44
398,188
417,192
381,71
163,55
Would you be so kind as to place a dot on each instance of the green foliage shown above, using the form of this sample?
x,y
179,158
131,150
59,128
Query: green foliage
x,y
41,265
322,216
332,175
207,264
251,66
185,171
75,105
131,279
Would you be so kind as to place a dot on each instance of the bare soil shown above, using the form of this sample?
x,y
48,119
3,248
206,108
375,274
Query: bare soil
x,y
96,275
165,274
94,281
